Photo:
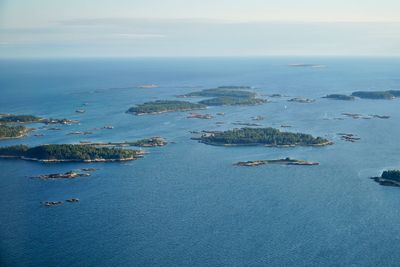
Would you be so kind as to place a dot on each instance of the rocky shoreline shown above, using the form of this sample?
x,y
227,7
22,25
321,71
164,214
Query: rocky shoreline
x,y
285,161
69,160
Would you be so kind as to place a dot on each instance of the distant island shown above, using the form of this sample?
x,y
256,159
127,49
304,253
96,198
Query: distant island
x,y
67,175
147,142
261,136
11,132
304,65
28,119
388,178
301,100
285,161
340,97
224,91
233,101
387,95
228,96
161,106
69,153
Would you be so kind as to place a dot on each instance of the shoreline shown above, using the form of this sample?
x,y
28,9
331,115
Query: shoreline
x,y
265,145
68,160
24,134
161,112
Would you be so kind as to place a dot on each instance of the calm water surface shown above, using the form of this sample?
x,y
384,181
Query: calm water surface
x,y
186,204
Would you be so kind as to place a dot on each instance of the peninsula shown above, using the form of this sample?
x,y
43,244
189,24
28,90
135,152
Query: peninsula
x,y
162,106
270,137
69,153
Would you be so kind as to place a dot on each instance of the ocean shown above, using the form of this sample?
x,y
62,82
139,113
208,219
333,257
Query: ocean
x,y
186,204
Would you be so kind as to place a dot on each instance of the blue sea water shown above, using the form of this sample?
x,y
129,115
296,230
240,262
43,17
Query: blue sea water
x,y
186,204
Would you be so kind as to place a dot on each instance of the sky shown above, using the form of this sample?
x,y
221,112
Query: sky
x,y
179,28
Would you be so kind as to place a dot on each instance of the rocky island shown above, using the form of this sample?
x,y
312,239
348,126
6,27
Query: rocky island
x,y
285,161
261,136
11,132
302,100
162,106
200,116
388,178
386,95
233,101
147,142
69,153
67,175
340,97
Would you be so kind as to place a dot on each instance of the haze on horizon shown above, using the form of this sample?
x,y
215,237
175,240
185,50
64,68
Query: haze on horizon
x,y
175,28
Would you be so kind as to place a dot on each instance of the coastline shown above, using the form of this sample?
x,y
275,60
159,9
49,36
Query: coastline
x,y
24,134
69,160
161,112
265,145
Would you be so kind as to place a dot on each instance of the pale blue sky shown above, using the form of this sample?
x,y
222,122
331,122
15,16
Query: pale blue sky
x,y
58,28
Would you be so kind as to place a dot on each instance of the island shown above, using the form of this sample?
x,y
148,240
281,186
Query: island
x,y
200,116
233,101
67,175
305,65
146,142
246,124
365,117
301,100
57,203
285,161
388,178
11,132
270,137
228,96
224,91
162,106
386,95
69,153
340,97
349,137
28,119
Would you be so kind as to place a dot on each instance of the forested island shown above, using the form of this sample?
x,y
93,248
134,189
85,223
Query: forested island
x,y
285,161
390,94
221,96
388,178
226,91
69,153
147,142
232,101
161,106
228,96
340,97
10,132
27,119
261,136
